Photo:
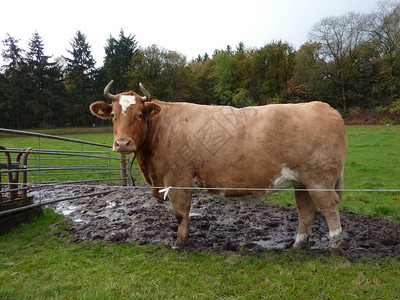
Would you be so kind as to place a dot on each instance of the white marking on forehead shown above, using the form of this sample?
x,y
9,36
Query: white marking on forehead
x,y
125,101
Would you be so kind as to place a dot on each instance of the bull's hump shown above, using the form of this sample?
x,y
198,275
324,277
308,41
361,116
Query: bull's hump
x,y
125,101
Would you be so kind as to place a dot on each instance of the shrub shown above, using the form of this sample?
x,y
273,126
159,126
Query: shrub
x,y
355,111
395,107
243,98
380,109
277,99
386,121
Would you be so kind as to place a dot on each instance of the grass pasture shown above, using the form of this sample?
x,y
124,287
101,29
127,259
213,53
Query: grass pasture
x,y
373,162
39,260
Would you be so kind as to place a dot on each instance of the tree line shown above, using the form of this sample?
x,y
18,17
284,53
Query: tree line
x,y
350,61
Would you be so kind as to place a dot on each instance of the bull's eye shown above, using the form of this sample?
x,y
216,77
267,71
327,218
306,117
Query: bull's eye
x,y
140,116
112,115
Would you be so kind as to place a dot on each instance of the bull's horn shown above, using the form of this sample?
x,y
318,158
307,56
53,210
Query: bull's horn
x,y
107,91
147,96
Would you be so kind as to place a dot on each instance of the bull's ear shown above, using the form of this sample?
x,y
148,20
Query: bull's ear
x,y
101,110
150,110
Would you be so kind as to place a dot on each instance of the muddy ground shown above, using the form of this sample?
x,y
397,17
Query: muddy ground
x,y
134,215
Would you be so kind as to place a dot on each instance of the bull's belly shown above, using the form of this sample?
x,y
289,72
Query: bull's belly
x,y
251,190
241,196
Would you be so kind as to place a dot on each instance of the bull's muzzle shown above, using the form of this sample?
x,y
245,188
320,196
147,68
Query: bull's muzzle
x,y
124,145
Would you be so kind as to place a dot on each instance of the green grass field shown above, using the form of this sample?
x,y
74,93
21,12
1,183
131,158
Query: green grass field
x,y
39,260
373,162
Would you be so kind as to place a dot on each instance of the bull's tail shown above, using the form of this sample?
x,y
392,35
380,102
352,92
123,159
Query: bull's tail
x,y
339,185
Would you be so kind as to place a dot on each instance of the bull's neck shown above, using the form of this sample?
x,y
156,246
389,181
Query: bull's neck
x,y
147,148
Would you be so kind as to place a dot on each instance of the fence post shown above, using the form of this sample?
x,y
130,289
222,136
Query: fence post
x,y
123,170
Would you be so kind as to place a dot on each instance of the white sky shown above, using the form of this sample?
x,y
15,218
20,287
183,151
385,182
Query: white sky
x,y
189,27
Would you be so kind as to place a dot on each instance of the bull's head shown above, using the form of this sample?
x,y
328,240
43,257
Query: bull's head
x,y
129,113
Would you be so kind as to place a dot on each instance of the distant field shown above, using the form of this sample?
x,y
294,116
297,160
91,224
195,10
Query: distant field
x,y
64,131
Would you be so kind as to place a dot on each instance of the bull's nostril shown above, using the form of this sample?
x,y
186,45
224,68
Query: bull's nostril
x,y
128,142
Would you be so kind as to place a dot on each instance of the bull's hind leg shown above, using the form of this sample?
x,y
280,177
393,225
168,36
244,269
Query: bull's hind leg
x,y
180,200
306,210
328,203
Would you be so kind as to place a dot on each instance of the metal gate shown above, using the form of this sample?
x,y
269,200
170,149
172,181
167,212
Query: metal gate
x,y
27,169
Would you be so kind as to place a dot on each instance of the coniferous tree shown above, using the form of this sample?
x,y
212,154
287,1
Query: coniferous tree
x,y
240,48
241,68
80,69
5,103
44,86
14,78
119,55
80,74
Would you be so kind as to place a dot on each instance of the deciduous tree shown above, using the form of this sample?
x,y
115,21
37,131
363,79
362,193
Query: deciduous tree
x,y
223,74
340,39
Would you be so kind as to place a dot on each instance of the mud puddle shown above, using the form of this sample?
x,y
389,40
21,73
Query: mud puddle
x,y
134,215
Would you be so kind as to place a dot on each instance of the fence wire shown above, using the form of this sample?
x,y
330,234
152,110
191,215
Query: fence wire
x,y
45,163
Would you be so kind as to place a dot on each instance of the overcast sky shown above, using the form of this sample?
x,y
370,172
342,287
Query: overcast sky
x,y
189,27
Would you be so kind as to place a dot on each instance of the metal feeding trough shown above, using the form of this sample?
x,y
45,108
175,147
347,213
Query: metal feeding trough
x,y
13,194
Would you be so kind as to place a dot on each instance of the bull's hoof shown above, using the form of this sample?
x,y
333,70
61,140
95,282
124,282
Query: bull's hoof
x,y
335,245
300,247
301,243
336,250
178,246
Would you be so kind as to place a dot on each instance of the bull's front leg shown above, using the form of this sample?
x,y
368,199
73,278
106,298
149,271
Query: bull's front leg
x,y
180,200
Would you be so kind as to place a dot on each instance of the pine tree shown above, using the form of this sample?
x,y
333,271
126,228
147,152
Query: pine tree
x,y
119,54
5,103
45,85
80,70
80,75
14,79
13,53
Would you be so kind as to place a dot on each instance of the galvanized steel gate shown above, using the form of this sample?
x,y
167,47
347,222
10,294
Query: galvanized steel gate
x,y
33,168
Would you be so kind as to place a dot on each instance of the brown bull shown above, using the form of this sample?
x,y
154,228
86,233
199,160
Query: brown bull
x,y
224,149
